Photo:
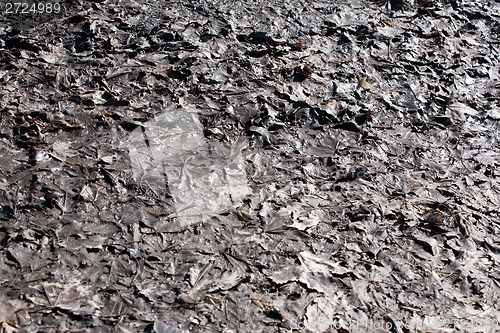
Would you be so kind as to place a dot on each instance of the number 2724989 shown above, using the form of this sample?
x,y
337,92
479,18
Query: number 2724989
x,y
19,8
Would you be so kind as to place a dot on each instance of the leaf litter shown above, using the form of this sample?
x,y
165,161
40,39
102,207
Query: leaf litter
x,y
370,137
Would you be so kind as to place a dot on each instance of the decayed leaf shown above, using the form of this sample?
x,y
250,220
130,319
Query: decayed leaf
x,y
368,135
494,113
319,315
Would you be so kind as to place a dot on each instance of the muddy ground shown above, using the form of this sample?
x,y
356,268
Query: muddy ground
x,y
370,137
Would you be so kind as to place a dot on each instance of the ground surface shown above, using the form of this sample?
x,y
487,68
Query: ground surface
x,y
370,134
